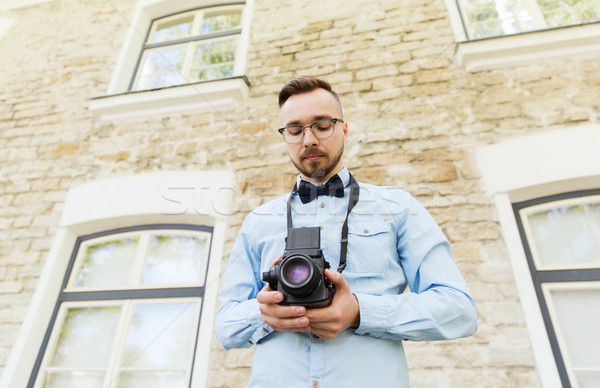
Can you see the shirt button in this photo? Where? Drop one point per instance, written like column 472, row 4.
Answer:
column 366, row 231
column 265, row 330
column 315, row 384
column 322, row 204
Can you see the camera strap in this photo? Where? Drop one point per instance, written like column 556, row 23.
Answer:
column 352, row 200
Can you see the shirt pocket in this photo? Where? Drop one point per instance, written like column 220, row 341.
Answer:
column 371, row 248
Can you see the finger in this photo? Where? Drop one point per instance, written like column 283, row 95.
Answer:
column 325, row 314
column 288, row 324
column 267, row 296
column 276, row 260
column 332, row 327
column 278, row 311
column 336, row 278
column 323, row 334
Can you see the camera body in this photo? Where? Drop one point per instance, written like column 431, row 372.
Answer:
column 300, row 274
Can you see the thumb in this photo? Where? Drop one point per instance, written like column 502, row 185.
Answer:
column 336, row 278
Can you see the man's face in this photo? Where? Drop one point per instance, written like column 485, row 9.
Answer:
column 316, row 159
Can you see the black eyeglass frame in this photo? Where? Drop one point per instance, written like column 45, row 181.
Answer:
column 333, row 121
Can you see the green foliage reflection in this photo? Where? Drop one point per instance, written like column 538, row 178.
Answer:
column 107, row 264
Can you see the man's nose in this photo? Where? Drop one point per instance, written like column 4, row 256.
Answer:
column 310, row 138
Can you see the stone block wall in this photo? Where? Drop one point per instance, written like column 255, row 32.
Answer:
column 416, row 120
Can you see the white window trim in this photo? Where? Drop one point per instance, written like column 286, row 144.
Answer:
column 182, row 197
column 208, row 96
column 521, row 49
column 531, row 167
column 120, row 104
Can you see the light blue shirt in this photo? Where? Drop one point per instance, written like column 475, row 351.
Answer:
column 393, row 243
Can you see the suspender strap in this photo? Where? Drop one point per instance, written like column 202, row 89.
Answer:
column 352, row 200
column 289, row 206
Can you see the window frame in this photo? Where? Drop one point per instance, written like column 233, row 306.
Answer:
column 524, row 208
column 529, row 167
column 127, row 306
column 537, row 18
column 522, row 48
column 119, row 103
column 552, row 276
column 144, row 232
column 167, row 197
column 146, row 47
column 70, row 296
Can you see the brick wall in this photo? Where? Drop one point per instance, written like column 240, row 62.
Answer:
column 415, row 118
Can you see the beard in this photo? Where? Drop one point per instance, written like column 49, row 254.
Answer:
column 318, row 169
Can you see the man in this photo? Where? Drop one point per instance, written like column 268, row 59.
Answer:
column 393, row 242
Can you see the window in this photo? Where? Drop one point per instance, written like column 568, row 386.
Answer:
column 131, row 277
column 502, row 33
column 129, row 311
column 484, row 18
column 190, row 47
column 562, row 244
column 179, row 57
column 553, row 265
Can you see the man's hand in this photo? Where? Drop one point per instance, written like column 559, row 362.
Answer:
column 281, row 317
column 341, row 314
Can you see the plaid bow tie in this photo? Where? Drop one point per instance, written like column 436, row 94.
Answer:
column 334, row 187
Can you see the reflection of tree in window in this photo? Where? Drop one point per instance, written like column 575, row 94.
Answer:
column 484, row 18
column 173, row 259
column 108, row 264
column 215, row 59
column 195, row 46
column 159, row 340
column 172, row 30
column 84, row 347
column 221, row 22
column 86, row 337
column 163, row 67
column 569, row 12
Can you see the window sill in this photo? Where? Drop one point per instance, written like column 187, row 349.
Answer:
column 532, row 47
column 201, row 97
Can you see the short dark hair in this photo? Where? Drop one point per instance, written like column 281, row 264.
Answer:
column 304, row 85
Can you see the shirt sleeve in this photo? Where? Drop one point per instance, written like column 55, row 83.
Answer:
column 438, row 305
column 239, row 321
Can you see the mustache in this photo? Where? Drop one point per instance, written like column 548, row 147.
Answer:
column 312, row 151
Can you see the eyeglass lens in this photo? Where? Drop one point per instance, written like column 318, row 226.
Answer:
column 321, row 129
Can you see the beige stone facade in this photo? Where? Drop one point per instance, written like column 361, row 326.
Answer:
column 416, row 120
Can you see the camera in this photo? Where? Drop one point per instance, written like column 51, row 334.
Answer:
column 300, row 274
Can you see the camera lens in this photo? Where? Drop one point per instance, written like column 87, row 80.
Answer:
column 297, row 272
column 298, row 276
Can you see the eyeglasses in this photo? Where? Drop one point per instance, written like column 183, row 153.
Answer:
column 322, row 129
